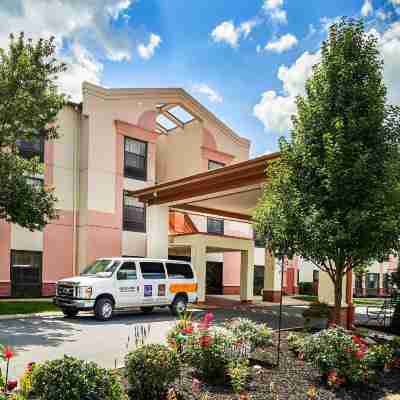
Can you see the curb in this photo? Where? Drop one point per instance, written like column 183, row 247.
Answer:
column 36, row 315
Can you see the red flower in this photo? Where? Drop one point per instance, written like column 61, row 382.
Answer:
column 205, row 341
column 360, row 354
column 8, row 353
column 187, row 330
column 11, row 385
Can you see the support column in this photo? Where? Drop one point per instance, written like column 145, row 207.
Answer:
column 157, row 220
column 246, row 275
column 272, row 289
column 199, row 260
column 381, row 289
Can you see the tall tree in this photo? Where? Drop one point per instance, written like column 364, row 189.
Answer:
column 334, row 195
column 29, row 105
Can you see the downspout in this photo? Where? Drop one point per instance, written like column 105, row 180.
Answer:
column 75, row 190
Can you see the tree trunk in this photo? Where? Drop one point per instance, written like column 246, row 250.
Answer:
column 338, row 283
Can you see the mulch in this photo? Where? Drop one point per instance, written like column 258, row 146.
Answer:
column 291, row 381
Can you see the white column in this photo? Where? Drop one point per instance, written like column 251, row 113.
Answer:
column 199, row 260
column 157, row 231
column 246, row 275
column 272, row 281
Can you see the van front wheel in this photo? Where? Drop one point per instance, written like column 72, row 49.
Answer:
column 179, row 305
column 103, row 310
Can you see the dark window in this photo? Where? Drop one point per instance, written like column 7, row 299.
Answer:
column 315, row 275
column 214, row 165
column 135, row 159
column 31, row 148
column 26, row 273
column 215, row 225
column 134, row 215
column 260, row 242
column 152, row 270
column 372, row 281
column 127, row 271
column 179, row 271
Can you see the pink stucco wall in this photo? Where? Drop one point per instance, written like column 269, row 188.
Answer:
column 231, row 270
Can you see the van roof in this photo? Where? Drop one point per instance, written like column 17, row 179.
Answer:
column 143, row 259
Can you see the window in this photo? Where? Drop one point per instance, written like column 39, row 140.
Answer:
column 152, row 270
column 31, row 148
column 214, row 165
column 134, row 215
column 127, row 271
column 26, row 273
column 179, row 271
column 315, row 275
column 372, row 281
column 135, row 159
column 35, row 182
column 215, row 225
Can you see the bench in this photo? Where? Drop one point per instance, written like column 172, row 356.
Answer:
column 383, row 314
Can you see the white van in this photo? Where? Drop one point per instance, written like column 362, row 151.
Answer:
column 111, row 284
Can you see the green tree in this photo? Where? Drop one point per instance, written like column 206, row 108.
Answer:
column 29, row 105
column 333, row 197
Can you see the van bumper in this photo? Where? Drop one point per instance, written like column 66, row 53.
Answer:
column 77, row 304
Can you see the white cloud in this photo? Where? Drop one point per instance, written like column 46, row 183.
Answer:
column 395, row 2
column 70, row 20
column 82, row 66
column 284, row 43
column 274, row 110
column 229, row 33
column 211, row 94
column 367, row 8
column 146, row 52
column 274, row 8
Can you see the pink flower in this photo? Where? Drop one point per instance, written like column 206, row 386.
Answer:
column 208, row 318
column 360, row 354
column 195, row 385
column 11, row 385
column 205, row 341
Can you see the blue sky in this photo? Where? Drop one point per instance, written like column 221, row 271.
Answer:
column 245, row 60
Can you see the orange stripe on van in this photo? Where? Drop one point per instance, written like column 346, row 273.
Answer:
column 183, row 287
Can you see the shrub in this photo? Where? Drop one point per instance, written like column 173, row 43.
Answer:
column 338, row 355
column 379, row 356
column 25, row 383
column 295, row 342
column 238, row 372
column 73, row 379
column 150, row 369
column 306, row 288
column 316, row 310
column 249, row 331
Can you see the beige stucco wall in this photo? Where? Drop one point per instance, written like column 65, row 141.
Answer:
column 24, row 239
column 133, row 244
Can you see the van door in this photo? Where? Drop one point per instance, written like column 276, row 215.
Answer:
column 154, row 283
column 128, row 287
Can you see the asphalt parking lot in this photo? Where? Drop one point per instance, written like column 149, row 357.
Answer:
column 48, row 337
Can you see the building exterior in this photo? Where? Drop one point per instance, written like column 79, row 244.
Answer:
column 115, row 141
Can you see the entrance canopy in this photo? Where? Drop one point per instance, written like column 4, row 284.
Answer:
column 231, row 191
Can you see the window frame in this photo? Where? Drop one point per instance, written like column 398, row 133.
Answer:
column 125, row 223
column 136, row 176
column 221, row 232
column 152, row 262
column 179, row 264
column 28, row 155
column 121, row 267
column 218, row 165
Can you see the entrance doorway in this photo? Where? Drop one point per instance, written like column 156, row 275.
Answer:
column 214, row 283
column 26, row 273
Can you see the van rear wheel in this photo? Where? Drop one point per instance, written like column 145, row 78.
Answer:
column 147, row 309
column 103, row 309
column 179, row 305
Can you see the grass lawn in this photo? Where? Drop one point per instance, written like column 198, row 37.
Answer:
column 306, row 297
column 26, row 307
column 368, row 302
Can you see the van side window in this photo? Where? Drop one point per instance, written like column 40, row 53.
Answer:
column 179, row 271
column 127, row 271
column 152, row 270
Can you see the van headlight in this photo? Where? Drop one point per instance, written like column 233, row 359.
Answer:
column 84, row 292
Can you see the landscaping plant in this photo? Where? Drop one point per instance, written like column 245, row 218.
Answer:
column 238, row 372
column 69, row 378
column 150, row 369
column 333, row 195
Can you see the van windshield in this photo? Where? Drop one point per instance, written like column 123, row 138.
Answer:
column 101, row 268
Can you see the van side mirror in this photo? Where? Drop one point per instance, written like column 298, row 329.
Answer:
column 122, row 275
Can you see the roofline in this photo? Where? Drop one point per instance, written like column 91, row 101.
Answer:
column 168, row 95
column 240, row 174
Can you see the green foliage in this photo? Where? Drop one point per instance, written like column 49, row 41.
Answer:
column 317, row 310
column 29, row 107
column 295, row 342
column 333, row 197
column 247, row 330
column 150, row 369
column 379, row 356
column 238, row 372
column 71, row 379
